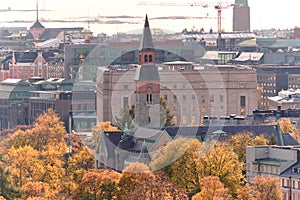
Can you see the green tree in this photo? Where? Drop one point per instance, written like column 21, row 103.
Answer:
column 125, row 117
column 166, row 116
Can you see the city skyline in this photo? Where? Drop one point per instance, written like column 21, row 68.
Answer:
column 264, row 14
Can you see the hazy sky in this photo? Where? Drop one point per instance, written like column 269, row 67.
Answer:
column 264, row 13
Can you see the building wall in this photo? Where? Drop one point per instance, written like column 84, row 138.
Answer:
column 190, row 94
column 268, row 160
column 241, row 19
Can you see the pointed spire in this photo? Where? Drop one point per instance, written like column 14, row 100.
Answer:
column 146, row 42
column 144, row 156
column 144, row 146
column 37, row 10
column 125, row 131
column 146, row 22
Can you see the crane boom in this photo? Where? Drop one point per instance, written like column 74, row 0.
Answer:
column 217, row 5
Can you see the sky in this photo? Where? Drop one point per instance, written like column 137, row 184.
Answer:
column 265, row 14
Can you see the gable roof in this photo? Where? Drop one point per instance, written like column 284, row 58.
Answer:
column 37, row 24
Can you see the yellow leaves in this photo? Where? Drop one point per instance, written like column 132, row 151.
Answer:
column 24, row 164
column 240, row 141
column 266, row 188
column 170, row 153
column 98, row 185
column 244, row 193
column 100, row 127
column 138, row 182
column 106, row 126
column 36, row 190
column 137, row 168
column 286, row 126
column 212, row 189
column 222, row 162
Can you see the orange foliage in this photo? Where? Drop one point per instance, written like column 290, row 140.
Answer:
column 36, row 190
column 107, row 127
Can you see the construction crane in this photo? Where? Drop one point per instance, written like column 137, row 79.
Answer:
column 219, row 6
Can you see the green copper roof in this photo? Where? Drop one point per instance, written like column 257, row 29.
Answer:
column 243, row 3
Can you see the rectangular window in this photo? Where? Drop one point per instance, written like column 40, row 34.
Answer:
column 184, row 97
column 125, row 101
column 243, row 101
column 149, row 98
column 221, row 98
column 193, row 97
column 202, row 99
column 174, row 98
column 212, row 98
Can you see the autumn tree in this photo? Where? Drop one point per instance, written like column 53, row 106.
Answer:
column 222, row 162
column 100, row 127
column 37, row 190
column 139, row 183
column 24, row 165
column 211, row 189
column 266, row 188
column 286, row 126
column 98, row 185
column 180, row 160
column 42, row 154
column 244, row 193
column 240, row 141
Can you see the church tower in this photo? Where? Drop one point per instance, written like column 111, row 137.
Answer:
column 147, row 83
column 241, row 16
column 37, row 29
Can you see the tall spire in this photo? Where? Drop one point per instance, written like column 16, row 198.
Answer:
column 146, row 42
column 37, row 10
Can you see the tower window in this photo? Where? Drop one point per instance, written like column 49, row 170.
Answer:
column 150, row 58
column 149, row 99
column 146, row 58
column 149, row 96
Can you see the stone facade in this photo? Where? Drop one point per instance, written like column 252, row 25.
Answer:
column 190, row 94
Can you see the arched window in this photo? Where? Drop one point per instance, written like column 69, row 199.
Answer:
column 140, row 58
column 146, row 58
column 150, row 58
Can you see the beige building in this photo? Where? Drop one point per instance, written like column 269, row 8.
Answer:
column 191, row 92
column 280, row 162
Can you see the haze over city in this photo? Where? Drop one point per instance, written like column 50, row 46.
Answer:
column 264, row 14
